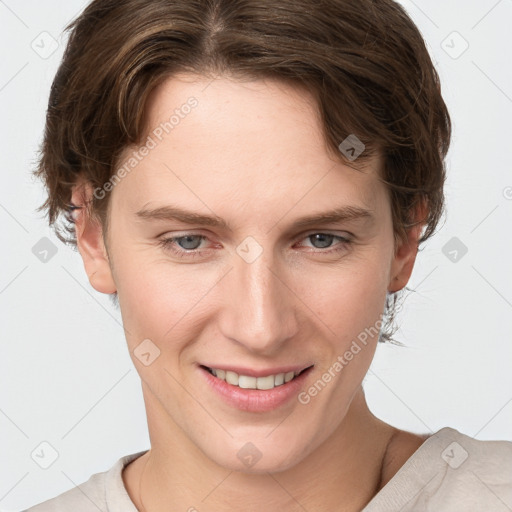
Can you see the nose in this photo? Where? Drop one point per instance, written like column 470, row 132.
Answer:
column 259, row 310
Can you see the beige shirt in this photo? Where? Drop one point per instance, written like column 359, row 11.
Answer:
column 449, row 472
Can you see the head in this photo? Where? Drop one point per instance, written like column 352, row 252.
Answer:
column 249, row 116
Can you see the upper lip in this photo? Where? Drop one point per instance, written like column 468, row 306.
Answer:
column 263, row 372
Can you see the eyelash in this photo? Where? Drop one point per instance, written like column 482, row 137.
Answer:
column 169, row 244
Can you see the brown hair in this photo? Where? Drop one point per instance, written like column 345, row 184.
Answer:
column 364, row 61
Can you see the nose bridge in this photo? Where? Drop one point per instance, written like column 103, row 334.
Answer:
column 259, row 313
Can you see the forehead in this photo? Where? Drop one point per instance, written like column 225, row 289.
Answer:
column 258, row 146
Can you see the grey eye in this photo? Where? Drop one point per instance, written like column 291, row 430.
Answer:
column 189, row 241
column 324, row 240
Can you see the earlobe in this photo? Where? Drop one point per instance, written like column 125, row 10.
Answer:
column 89, row 236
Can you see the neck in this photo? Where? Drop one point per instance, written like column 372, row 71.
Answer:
column 343, row 473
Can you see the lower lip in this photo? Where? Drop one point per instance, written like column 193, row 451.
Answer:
column 256, row 400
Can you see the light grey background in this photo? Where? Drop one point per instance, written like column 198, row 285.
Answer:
column 67, row 376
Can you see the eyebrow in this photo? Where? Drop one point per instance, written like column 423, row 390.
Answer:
column 170, row 213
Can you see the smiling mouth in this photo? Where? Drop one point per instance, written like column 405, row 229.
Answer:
column 249, row 382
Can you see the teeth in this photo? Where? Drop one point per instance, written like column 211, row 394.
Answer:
column 232, row 378
column 247, row 382
column 289, row 376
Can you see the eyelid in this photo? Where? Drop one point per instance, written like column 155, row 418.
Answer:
column 344, row 235
column 333, row 232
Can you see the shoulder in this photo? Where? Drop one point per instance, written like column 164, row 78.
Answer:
column 84, row 497
column 474, row 455
column 450, row 471
column 100, row 492
column 471, row 472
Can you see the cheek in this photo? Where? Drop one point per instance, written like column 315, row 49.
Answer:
column 160, row 301
column 348, row 304
column 347, row 298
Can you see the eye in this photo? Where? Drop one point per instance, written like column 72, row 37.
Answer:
column 325, row 240
column 188, row 244
column 183, row 246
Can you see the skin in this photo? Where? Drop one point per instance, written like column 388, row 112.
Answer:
column 253, row 154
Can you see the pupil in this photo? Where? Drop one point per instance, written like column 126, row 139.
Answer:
column 187, row 241
column 327, row 239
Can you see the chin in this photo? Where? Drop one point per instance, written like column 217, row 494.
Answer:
column 253, row 460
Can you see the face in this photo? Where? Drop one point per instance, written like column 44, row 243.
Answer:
column 215, row 267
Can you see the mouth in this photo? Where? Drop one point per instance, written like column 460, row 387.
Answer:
column 262, row 383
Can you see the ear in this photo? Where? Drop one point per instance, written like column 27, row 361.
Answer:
column 406, row 251
column 89, row 235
